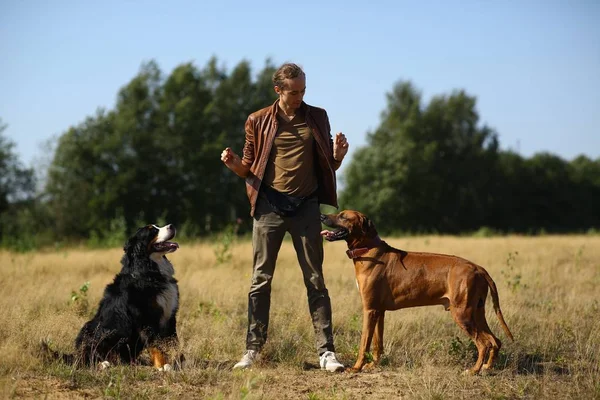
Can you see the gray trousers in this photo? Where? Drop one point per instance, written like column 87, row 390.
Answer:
column 267, row 235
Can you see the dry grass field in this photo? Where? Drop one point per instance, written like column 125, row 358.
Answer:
column 549, row 292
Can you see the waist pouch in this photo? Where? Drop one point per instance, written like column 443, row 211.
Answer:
column 281, row 203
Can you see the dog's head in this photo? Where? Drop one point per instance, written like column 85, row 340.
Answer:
column 352, row 226
column 151, row 240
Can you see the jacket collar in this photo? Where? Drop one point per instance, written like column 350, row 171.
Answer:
column 303, row 108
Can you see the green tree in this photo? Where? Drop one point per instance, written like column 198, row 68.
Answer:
column 235, row 96
column 421, row 168
column 80, row 177
column 509, row 212
column 545, row 193
column 16, row 182
column 550, row 204
column 17, row 187
column 585, row 175
column 155, row 157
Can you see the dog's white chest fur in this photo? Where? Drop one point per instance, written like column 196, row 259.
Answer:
column 164, row 265
column 167, row 300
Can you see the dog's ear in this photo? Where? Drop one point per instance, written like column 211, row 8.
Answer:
column 128, row 244
column 368, row 228
column 135, row 248
column 137, row 242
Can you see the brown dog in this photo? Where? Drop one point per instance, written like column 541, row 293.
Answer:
column 390, row 279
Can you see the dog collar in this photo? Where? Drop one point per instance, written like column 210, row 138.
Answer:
column 355, row 253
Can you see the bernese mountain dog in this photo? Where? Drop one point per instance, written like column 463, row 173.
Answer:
column 138, row 308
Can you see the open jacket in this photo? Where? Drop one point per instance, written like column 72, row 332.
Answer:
column 261, row 128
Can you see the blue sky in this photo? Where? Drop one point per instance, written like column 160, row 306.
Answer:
column 533, row 65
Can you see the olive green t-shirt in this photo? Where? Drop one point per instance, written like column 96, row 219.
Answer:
column 291, row 165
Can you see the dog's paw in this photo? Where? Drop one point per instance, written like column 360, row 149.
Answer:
column 166, row 368
column 470, row 372
column 104, row 365
column 369, row 366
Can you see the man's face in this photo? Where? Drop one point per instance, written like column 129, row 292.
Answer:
column 293, row 92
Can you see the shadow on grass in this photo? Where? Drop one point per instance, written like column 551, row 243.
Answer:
column 536, row 364
column 531, row 364
column 212, row 364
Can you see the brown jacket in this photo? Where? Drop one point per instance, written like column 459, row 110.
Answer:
column 261, row 127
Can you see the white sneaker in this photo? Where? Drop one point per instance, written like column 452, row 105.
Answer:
column 330, row 363
column 250, row 356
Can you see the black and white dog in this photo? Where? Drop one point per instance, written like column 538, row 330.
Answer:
column 138, row 308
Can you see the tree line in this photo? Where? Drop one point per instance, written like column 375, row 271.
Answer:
column 435, row 168
column 155, row 157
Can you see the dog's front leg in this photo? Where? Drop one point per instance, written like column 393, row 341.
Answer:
column 159, row 359
column 370, row 318
column 378, row 339
column 155, row 345
column 170, row 343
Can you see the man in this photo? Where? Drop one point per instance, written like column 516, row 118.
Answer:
column 289, row 162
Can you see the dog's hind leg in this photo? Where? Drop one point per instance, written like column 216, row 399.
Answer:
column 465, row 318
column 494, row 343
column 370, row 318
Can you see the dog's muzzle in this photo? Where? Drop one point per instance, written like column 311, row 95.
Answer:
column 165, row 247
column 338, row 234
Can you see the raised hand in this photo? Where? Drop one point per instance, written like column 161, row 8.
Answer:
column 234, row 163
column 340, row 146
column 230, row 158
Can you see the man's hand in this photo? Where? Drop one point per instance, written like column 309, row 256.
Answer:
column 234, row 162
column 340, row 147
column 230, row 158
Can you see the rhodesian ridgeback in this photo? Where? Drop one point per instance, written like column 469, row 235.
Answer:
column 391, row 279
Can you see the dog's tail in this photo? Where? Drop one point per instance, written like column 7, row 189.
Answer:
column 52, row 355
column 496, row 301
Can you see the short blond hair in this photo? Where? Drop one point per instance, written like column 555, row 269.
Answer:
column 286, row 71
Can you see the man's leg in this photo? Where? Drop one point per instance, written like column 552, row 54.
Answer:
column 306, row 235
column 267, row 235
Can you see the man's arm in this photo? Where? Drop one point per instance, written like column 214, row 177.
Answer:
column 234, row 163
column 339, row 146
column 240, row 166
